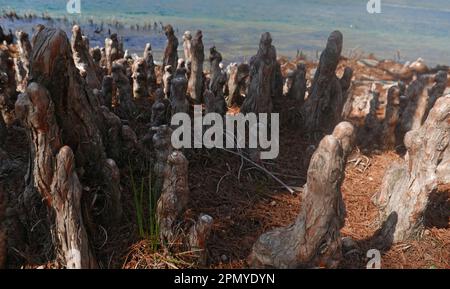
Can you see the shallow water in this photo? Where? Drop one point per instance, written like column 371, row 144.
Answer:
column 405, row 28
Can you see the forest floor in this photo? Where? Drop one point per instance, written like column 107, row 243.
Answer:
column 246, row 202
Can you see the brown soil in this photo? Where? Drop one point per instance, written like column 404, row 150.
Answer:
column 245, row 202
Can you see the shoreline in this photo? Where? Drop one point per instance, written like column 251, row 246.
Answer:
column 135, row 36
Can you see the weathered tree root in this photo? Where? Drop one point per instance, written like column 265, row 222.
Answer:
column 198, row 235
column 8, row 93
column 260, row 91
column 314, row 238
column 66, row 130
column 139, row 76
column 391, row 118
column 195, row 84
column 170, row 52
column 237, row 78
column 407, row 185
column 22, row 63
column 151, row 73
column 174, row 195
column 55, row 176
column 323, row 108
column 83, row 60
column 178, row 88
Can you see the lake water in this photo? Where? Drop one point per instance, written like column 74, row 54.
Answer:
column 409, row 28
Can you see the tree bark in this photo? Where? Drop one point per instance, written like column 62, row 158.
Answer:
column 174, row 195
column 83, row 60
column 416, row 99
column 167, row 80
column 198, row 236
column 407, row 185
column 321, row 110
column 187, row 38
column 140, row 88
column 314, row 238
column 391, row 118
column 178, row 88
column 262, row 65
column 170, row 52
column 126, row 106
column 71, row 233
column 63, row 118
column 160, row 110
column 151, row 74
column 298, row 87
column 436, row 91
column 23, row 61
column 112, row 51
column 54, row 176
column 218, row 77
column 214, row 103
column 8, row 93
column 238, row 75
column 195, row 85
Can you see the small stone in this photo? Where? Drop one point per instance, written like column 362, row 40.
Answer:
column 224, row 258
column 273, row 203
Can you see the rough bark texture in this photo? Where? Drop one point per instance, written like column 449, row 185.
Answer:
column 416, row 99
column 371, row 131
column 178, row 88
column 391, row 118
column 346, row 83
column 198, row 236
column 112, row 51
column 321, row 110
column 151, row 73
column 107, row 91
column 407, row 185
column 214, row 103
column 195, row 85
column 218, row 76
column 160, row 110
column 123, row 90
column 23, row 61
column 55, row 176
column 238, row 75
column 167, row 80
column 163, row 148
column 139, row 76
column 62, row 116
column 66, row 192
column 277, row 86
column 82, row 58
column 262, row 65
column 96, row 54
column 8, row 93
column 298, row 87
column 187, row 38
column 313, row 240
column 170, row 52
column 435, row 92
column 174, row 195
